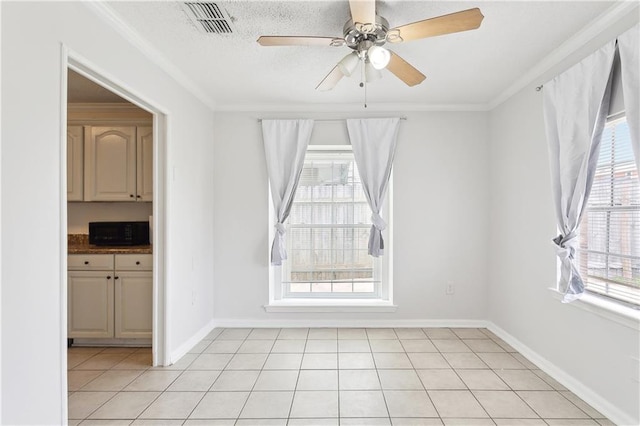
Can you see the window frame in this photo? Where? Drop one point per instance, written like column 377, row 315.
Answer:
column 278, row 300
column 593, row 283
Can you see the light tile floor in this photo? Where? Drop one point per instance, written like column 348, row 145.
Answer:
column 323, row 376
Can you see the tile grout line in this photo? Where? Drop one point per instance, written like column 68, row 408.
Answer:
column 217, row 377
column 375, row 365
column 259, row 373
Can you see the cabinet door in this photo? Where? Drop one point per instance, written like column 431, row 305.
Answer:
column 90, row 304
column 110, row 164
column 144, row 181
column 75, row 167
column 134, row 304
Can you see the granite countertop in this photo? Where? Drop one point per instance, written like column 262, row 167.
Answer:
column 79, row 244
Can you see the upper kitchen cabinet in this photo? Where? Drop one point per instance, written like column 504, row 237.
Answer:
column 109, row 153
column 144, row 178
column 110, row 164
column 75, row 174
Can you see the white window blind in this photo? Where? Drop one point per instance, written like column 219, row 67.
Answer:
column 328, row 233
column 609, row 253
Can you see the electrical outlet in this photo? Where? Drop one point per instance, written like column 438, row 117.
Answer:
column 450, row 289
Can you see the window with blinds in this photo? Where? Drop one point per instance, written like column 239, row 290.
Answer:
column 328, row 233
column 609, row 253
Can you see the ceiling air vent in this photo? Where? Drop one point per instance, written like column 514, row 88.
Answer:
column 209, row 17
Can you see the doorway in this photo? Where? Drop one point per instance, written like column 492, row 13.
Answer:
column 82, row 79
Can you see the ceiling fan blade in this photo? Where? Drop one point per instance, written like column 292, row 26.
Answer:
column 404, row 70
column 330, row 81
column 300, row 41
column 363, row 11
column 446, row 24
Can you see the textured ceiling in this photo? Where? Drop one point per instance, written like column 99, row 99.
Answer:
column 472, row 67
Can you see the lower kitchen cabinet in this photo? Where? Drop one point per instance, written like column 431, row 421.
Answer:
column 110, row 296
column 90, row 304
column 133, row 307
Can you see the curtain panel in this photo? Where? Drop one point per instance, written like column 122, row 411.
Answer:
column 374, row 143
column 576, row 104
column 629, row 48
column 285, row 145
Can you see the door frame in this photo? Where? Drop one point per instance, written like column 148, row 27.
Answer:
column 160, row 338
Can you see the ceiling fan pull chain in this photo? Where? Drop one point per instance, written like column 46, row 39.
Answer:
column 363, row 81
column 365, row 93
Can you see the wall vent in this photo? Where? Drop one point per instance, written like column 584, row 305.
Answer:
column 208, row 17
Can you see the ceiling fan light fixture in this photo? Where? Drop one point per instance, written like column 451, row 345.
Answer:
column 349, row 63
column 379, row 57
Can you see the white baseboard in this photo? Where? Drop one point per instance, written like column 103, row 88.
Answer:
column 189, row 344
column 347, row 323
column 592, row 398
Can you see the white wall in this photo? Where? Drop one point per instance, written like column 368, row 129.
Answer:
column 597, row 354
column 440, row 222
column 32, row 280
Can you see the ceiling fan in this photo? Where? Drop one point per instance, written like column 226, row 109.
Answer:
column 366, row 32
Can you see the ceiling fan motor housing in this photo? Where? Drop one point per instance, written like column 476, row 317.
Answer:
column 362, row 36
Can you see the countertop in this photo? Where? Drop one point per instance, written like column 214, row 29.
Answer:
column 79, row 244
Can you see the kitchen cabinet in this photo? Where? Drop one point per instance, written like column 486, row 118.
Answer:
column 144, row 163
column 133, row 296
column 110, row 296
column 110, row 163
column 75, row 166
column 90, row 296
column 118, row 163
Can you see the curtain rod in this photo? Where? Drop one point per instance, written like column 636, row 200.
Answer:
column 327, row 119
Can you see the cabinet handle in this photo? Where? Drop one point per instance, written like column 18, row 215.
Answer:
column 108, row 277
column 131, row 195
column 86, row 262
column 137, row 196
column 137, row 262
column 116, row 277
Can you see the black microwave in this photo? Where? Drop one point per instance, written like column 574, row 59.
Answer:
column 119, row 233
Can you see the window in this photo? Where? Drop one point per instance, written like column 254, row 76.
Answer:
column 328, row 233
column 609, row 253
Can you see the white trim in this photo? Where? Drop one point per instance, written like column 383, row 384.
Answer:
column 347, row 323
column 351, row 107
column 1, row 231
column 585, row 393
column 382, row 302
column 161, row 335
column 330, row 305
column 616, row 12
column 608, row 309
column 184, row 348
column 83, row 66
column 105, row 12
column 62, row 254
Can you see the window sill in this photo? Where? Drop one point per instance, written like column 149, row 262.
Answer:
column 610, row 310
column 328, row 305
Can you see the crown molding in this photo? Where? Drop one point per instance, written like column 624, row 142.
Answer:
column 106, row 13
column 352, row 107
column 619, row 10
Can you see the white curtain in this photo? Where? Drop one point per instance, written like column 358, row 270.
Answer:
column 576, row 104
column 629, row 48
column 285, row 144
column 374, row 144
